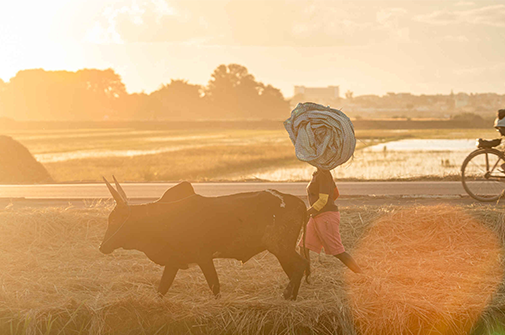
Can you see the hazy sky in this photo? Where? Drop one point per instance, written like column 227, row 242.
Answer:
column 368, row 47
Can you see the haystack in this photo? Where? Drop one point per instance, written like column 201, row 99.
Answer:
column 18, row 166
column 426, row 270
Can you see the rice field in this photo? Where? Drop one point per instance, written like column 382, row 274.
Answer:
column 447, row 280
column 240, row 155
column 373, row 165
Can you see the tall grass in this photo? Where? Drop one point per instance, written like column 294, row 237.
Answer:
column 53, row 280
column 197, row 164
column 202, row 155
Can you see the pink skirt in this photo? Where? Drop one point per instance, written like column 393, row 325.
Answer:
column 323, row 231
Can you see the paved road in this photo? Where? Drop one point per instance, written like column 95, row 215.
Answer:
column 155, row 190
column 352, row 193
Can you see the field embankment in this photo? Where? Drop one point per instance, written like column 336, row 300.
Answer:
column 53, row 280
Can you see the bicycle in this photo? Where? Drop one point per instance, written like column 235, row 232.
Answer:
column 483, row 171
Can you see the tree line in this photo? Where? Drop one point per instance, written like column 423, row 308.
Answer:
column 91, row 94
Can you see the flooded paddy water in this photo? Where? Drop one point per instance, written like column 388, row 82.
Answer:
column 237, row 155
column 403, row 159
column 424, row 145
column 50, row 147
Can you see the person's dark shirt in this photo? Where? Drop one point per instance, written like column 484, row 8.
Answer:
column 322, row 182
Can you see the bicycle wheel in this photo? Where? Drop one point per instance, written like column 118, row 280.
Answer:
column 482, row 175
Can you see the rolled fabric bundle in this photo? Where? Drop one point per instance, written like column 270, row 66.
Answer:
column 322, row 136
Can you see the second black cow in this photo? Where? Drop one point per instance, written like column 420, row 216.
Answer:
column 183, row 227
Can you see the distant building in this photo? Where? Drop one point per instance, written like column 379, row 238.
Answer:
column 318, row 93
column 399, row 95
column 461, row 100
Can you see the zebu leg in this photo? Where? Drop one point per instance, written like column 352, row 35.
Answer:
column 209, row 271
column 280, row 237
column 294, row 265
column 167, row 279
column 300, row 265
column 286, row 265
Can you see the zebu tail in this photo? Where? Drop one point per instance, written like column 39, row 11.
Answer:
column 305, row 251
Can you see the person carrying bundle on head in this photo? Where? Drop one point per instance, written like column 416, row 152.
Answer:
column 324, row 137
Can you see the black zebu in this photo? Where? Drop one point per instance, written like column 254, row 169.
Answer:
column 183, row 227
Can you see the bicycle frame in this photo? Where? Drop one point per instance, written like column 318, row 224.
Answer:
column 480, row 174
column 488, row 175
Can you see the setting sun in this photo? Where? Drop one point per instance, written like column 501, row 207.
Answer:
column 368, row 47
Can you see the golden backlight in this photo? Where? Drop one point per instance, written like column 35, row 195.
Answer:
column 427, row 270
column 365, row 46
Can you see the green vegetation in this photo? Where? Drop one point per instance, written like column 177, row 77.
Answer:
column 55, row 281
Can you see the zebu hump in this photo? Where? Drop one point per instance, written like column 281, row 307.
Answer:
column 178, row 192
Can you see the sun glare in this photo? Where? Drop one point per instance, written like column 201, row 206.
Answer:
column 30, row 36
column 430, row 269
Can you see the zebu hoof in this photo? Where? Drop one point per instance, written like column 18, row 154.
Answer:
column 287, row 294
column 162, row 293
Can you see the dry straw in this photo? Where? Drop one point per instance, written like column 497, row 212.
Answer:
column 427, row 270
column 53, row 280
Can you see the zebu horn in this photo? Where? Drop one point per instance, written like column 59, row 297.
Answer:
column 120, row 190
column 115, row 194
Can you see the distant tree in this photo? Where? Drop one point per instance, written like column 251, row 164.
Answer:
column 102, row 90
column 233, row 92
column 272, row 103
column 62, row 95
column 230, row 91
column 178, row 100
column 91, row 94
column 349, row 95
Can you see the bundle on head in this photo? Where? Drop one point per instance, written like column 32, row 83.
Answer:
column 426, row 270
column 323, row 136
